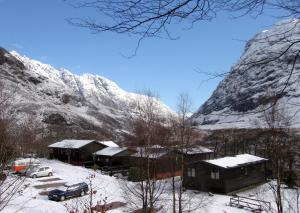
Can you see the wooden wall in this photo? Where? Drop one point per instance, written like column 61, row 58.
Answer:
column 229, row 179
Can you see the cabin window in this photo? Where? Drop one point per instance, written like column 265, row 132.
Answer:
column 215, row 174
column 191, row 172
column 244, row 170
column 262, row 167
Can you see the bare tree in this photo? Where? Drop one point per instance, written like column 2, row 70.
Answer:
column 89, row 203
column 184, row 138
column 153, row 18
column 145, row 18
column 11, row 186
column 279, row 147
column 31, row 134
column 148, row 135
column 148, row 19
column 184, row 132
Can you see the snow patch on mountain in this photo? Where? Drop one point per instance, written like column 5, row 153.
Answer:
column 59, row 97
column 266, row 69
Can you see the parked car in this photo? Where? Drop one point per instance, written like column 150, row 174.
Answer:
column 40, row 172
column 29, row 155
column 74, row 190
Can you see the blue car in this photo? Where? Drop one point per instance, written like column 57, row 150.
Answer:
column 75, row 190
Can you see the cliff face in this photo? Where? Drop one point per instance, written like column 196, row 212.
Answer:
column 59, row 98
column 265, row 70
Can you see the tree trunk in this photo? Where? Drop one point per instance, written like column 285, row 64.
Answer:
column 174, row 194
column 278, row 190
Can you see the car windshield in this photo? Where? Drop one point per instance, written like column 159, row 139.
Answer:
column 72, row 187
column 32, row 168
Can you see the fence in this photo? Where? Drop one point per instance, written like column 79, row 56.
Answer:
column 249, row 203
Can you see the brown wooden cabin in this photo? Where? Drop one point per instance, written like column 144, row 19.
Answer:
column 112, row 156
column 164, row 163
column 225, row 175
column 195, row 153
column 76, row 152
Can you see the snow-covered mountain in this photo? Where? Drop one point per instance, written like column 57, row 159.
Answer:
column 261, row 73
column 59, row 97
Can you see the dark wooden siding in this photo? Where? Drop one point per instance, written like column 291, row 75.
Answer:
column 236, row 178
column 120, row 159
column 198, row 157
column 162, row 167
column 202, row 180
column 229, row 179
column 76, row 156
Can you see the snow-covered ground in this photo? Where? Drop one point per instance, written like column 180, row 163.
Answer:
column 30, row 201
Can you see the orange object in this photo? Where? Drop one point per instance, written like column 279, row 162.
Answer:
column 164, row 175
column 21, row 164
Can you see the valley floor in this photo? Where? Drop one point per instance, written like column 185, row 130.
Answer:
column 33, row 199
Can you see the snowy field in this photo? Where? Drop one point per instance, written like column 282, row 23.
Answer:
column 33, row 200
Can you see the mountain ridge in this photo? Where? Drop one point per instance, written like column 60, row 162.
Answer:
column 261, row 73
column 59, row 97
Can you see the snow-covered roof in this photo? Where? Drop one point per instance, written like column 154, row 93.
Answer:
column 150, row 153
column 196, row 150
column 156, row 146
column 110, row 151
column 235, row 161
column 109, row 143
column 74, row 144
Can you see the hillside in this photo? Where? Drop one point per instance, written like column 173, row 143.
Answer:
column 266, row 70
column 61, row 99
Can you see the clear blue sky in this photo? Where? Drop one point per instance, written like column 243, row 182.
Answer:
column 37, row 28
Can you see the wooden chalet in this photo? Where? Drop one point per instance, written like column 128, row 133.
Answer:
column 195, row 153
column 112, row 156
column 162, row 161
column 77, row 151
column 225, row 175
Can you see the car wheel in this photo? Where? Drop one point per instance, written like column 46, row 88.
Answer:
column 82, row 193
column 62, row 198
column 50, row 174
column 34, row 176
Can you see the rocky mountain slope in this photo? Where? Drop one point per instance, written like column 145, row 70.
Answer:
column 269, row 68
column 58, row 98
